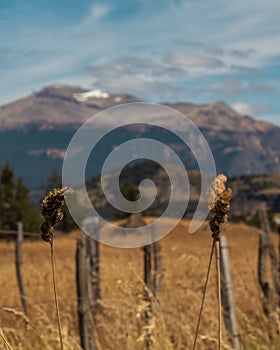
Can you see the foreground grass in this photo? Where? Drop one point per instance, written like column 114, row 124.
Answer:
column 119, row 324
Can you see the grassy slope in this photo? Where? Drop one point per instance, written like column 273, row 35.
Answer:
column 248, row 190
column 119, row 325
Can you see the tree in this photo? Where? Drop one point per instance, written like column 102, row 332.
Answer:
column 53, row 181
column 131, row 193
column 15, row 204
column 2, row 206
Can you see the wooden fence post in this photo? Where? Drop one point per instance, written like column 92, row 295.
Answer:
column 148, row 266
column 94, row 274
column 157, row 262
column 274, row 265
column 279, row 272
column 18, row 261
column 262, row 275
column 267, row 252
column 148, row 339
column 227, row 295
column 86, row 322
column 91, row 226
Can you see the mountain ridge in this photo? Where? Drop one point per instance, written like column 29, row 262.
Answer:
column 36, row 130
column 55, row 105
column 29, row 105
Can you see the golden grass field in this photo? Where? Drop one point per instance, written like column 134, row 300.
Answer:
column 119, row 324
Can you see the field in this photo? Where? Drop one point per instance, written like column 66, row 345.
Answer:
column 119, row 323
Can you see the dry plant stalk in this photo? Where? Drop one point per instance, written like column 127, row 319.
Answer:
column 5, row 341
column 218, row 203
column 145, row 311
column 18, row 314
column 51, row 210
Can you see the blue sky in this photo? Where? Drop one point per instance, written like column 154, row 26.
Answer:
column 163, row 50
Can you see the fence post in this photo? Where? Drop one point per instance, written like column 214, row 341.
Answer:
column 157, row 261
column 227, row 295
column 18, row 261
column 148, row 314
column 262, row 275
column 91, row 226
column 267, row 250
column 279, row 272
column 86, row 322
column 148, row 266
column 274, row 266
column 94, row 274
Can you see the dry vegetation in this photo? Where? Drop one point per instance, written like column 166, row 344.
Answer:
column 119, row 324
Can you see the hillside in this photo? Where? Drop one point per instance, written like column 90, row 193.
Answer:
column 249, row 191
column 35, row 132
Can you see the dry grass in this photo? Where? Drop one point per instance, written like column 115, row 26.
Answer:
column 120, row 324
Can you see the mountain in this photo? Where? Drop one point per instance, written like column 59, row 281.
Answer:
column 35, row 132
column 240, row 144
column 57, row 106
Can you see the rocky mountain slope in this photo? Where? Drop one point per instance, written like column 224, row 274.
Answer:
column 35, row 132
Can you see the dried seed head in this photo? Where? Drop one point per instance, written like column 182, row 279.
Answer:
column 51, row 210
column 219, row 203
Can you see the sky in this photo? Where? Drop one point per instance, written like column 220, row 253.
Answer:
column 163, row 50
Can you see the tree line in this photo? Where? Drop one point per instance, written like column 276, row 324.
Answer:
column 16, row 204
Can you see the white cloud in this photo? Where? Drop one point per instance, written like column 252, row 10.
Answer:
column 98, row 11
column 243, row 108
column 191, row 61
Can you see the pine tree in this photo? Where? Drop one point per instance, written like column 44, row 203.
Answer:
column 131, row 193
column 7, row 181
column 1, row 204
column 15, row 204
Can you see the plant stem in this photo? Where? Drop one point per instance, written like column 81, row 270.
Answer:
column 218, row 265
column 55, row 295
column 204, row 294
column 8, row 346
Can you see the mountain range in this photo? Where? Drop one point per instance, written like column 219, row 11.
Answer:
column 36, row 130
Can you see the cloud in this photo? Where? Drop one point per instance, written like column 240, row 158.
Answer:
column 4, row 52
column 187, row 43
column 215, row 50
column 137, row 68
column 229, row 86
column 123, row 66
column 243, row 108
column 98, row 11
column 260, row 88
column 244, row 69
column 194, row 61
column 137, row 76
column 147, row 78
column 134, row 86
column 141, row 88
column 242, row 53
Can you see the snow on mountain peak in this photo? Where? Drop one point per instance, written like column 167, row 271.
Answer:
column 84, row 96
